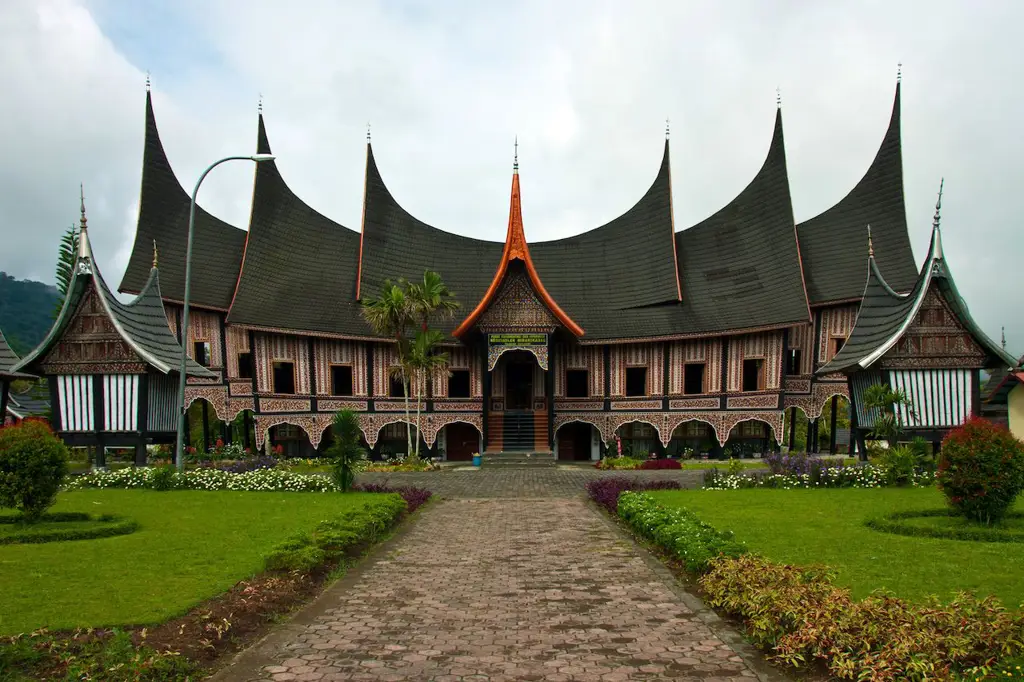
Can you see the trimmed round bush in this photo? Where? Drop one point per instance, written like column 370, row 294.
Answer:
column 33, row 462
column 981, row 470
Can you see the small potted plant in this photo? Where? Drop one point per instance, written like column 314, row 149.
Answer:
column 476, row 459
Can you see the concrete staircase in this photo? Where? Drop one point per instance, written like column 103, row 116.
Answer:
column 519, row 459
column 525, row 431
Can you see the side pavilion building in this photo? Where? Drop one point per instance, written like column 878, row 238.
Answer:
column 673, row 339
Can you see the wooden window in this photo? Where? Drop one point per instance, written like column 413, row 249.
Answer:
column 341, row 380
column 284, row 377
column 201, row 353
column 837, row 345
column 793, row 361
column 636, row 381
column 753, row 374
column 458, row 383
column 245, row 365
column 396, row 388
column 577, row 383
column 693, row 378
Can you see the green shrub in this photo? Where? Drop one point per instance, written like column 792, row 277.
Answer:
column 164, row 478
column 981, row 470
column 345, row 452
column 678, row 531
column 803, row 618
column 33, row 462
column 898, row 465
column 335, row 537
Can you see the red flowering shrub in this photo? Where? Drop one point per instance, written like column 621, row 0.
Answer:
column 661, row 464
column 33, row 462
column 981, row 470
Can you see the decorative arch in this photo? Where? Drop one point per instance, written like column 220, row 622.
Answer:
column 598, row 421
column 216, row 396
column 675, row 423
column 433, row 423
column 371, row 424
column 812, row 405
column 236, row 406
column 312, row 425
column 658, row 420
column 495, row 352
column 774, row 420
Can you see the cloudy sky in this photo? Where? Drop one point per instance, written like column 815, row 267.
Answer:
column 586, row 85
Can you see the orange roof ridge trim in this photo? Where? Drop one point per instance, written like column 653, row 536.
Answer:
column 516, row 248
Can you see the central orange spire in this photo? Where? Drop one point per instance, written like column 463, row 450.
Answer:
column 517, row 249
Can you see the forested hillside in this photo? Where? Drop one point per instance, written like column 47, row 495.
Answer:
column 26, row 311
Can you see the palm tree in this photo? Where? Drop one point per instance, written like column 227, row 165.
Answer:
column 389, row 315
column 425, row 361
column 66, row 256
column 431, row 297
column 887, row 401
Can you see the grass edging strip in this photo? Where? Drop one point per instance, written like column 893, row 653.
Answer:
column 110, row 526
column 894, row 524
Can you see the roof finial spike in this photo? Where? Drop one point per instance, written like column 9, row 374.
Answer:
column 871, row 247
column 515, row 158
column 1004, row 338
column 938, row 206
column 666, row 127
column 899, row 72
column 82, row 222
column 259, row 105
column 778, row 97
column 147, row 81
column 154, row 254
column 367, row 132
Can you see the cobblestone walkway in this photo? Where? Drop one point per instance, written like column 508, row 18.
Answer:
column 523, row 483
column 512, row 589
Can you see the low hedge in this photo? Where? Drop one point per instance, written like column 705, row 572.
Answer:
column 332, row 539
column 803, row 619
column 108, row 526
column 605, row 491
column 895, row 523
column 677, row 531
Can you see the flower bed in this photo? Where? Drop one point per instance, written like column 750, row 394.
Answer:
column 203, row 479
column 631, row 463
column 606, row 491
column 828, row 475
column 802, row 618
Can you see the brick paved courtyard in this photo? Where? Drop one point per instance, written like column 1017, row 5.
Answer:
column 504, row 483
column 504, row 589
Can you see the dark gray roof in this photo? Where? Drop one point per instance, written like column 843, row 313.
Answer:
column 8, row 359
column 885, row 315
column 832, row 243
column 395, row 244
column 35, row 402
column 163, row 216
column 740, row 268
column 300, row 267
column 142, row 322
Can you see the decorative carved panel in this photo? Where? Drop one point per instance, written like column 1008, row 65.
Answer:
column 517, row 307
column 813, row 404
column 694, row 404
column 935, row 339
column 91, row 344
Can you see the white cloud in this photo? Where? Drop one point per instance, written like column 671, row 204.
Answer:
column 585, row 85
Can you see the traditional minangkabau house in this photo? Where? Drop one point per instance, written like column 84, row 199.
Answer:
column 695, row 338
column 8, row 360
column 111, row 366
column 923, row 343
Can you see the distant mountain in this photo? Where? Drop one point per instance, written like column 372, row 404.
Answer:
column 26, row 311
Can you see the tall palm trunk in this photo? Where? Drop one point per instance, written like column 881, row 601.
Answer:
column 419, row 386
column 408, row 431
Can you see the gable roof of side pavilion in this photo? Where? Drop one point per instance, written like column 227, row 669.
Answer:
column 141, row 323
column 748, row 267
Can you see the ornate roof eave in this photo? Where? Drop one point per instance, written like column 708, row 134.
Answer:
column 516, row 248
column 698, row 336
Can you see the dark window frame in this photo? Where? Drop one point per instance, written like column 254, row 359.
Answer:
column 461, row 372
column 334, row 380
column 837, row 344
column 278, row 366
column 394, row 383
column 631, row 384
column 745, row 374
column 573, row 379
column 687, row 378
column 201, row 353
column 245, row 368
column 793, row 360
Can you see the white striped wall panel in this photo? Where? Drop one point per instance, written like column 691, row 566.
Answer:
column 74, row 392
column 940, row 398
column 120, row 402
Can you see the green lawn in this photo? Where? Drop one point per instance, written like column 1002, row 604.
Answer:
column 192, row 545
column 826, row 526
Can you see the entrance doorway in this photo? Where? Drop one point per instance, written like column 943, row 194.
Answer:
column 574, row 441
column 519, row 384
column 462, row 440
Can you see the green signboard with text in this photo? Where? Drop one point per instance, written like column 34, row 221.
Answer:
column 517, row 339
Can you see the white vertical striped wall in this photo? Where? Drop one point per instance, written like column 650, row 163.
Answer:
column 461, row 357
column 120, row 402
column 329, row 352
column 939, row 397
column 590, row 358
column 649, row 355
column 271, row 347
column 74, row 392
column 766, row 346
column 707, row 351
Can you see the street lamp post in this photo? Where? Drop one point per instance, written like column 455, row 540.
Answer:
column 179, row 448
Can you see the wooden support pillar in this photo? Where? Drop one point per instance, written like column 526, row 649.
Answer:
column 832, row 426
column 206, row 428
column 140, row 452
column 792, row 429
column 246, row 427
column 487, row 394
column 549, row 393
column 812, row 436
